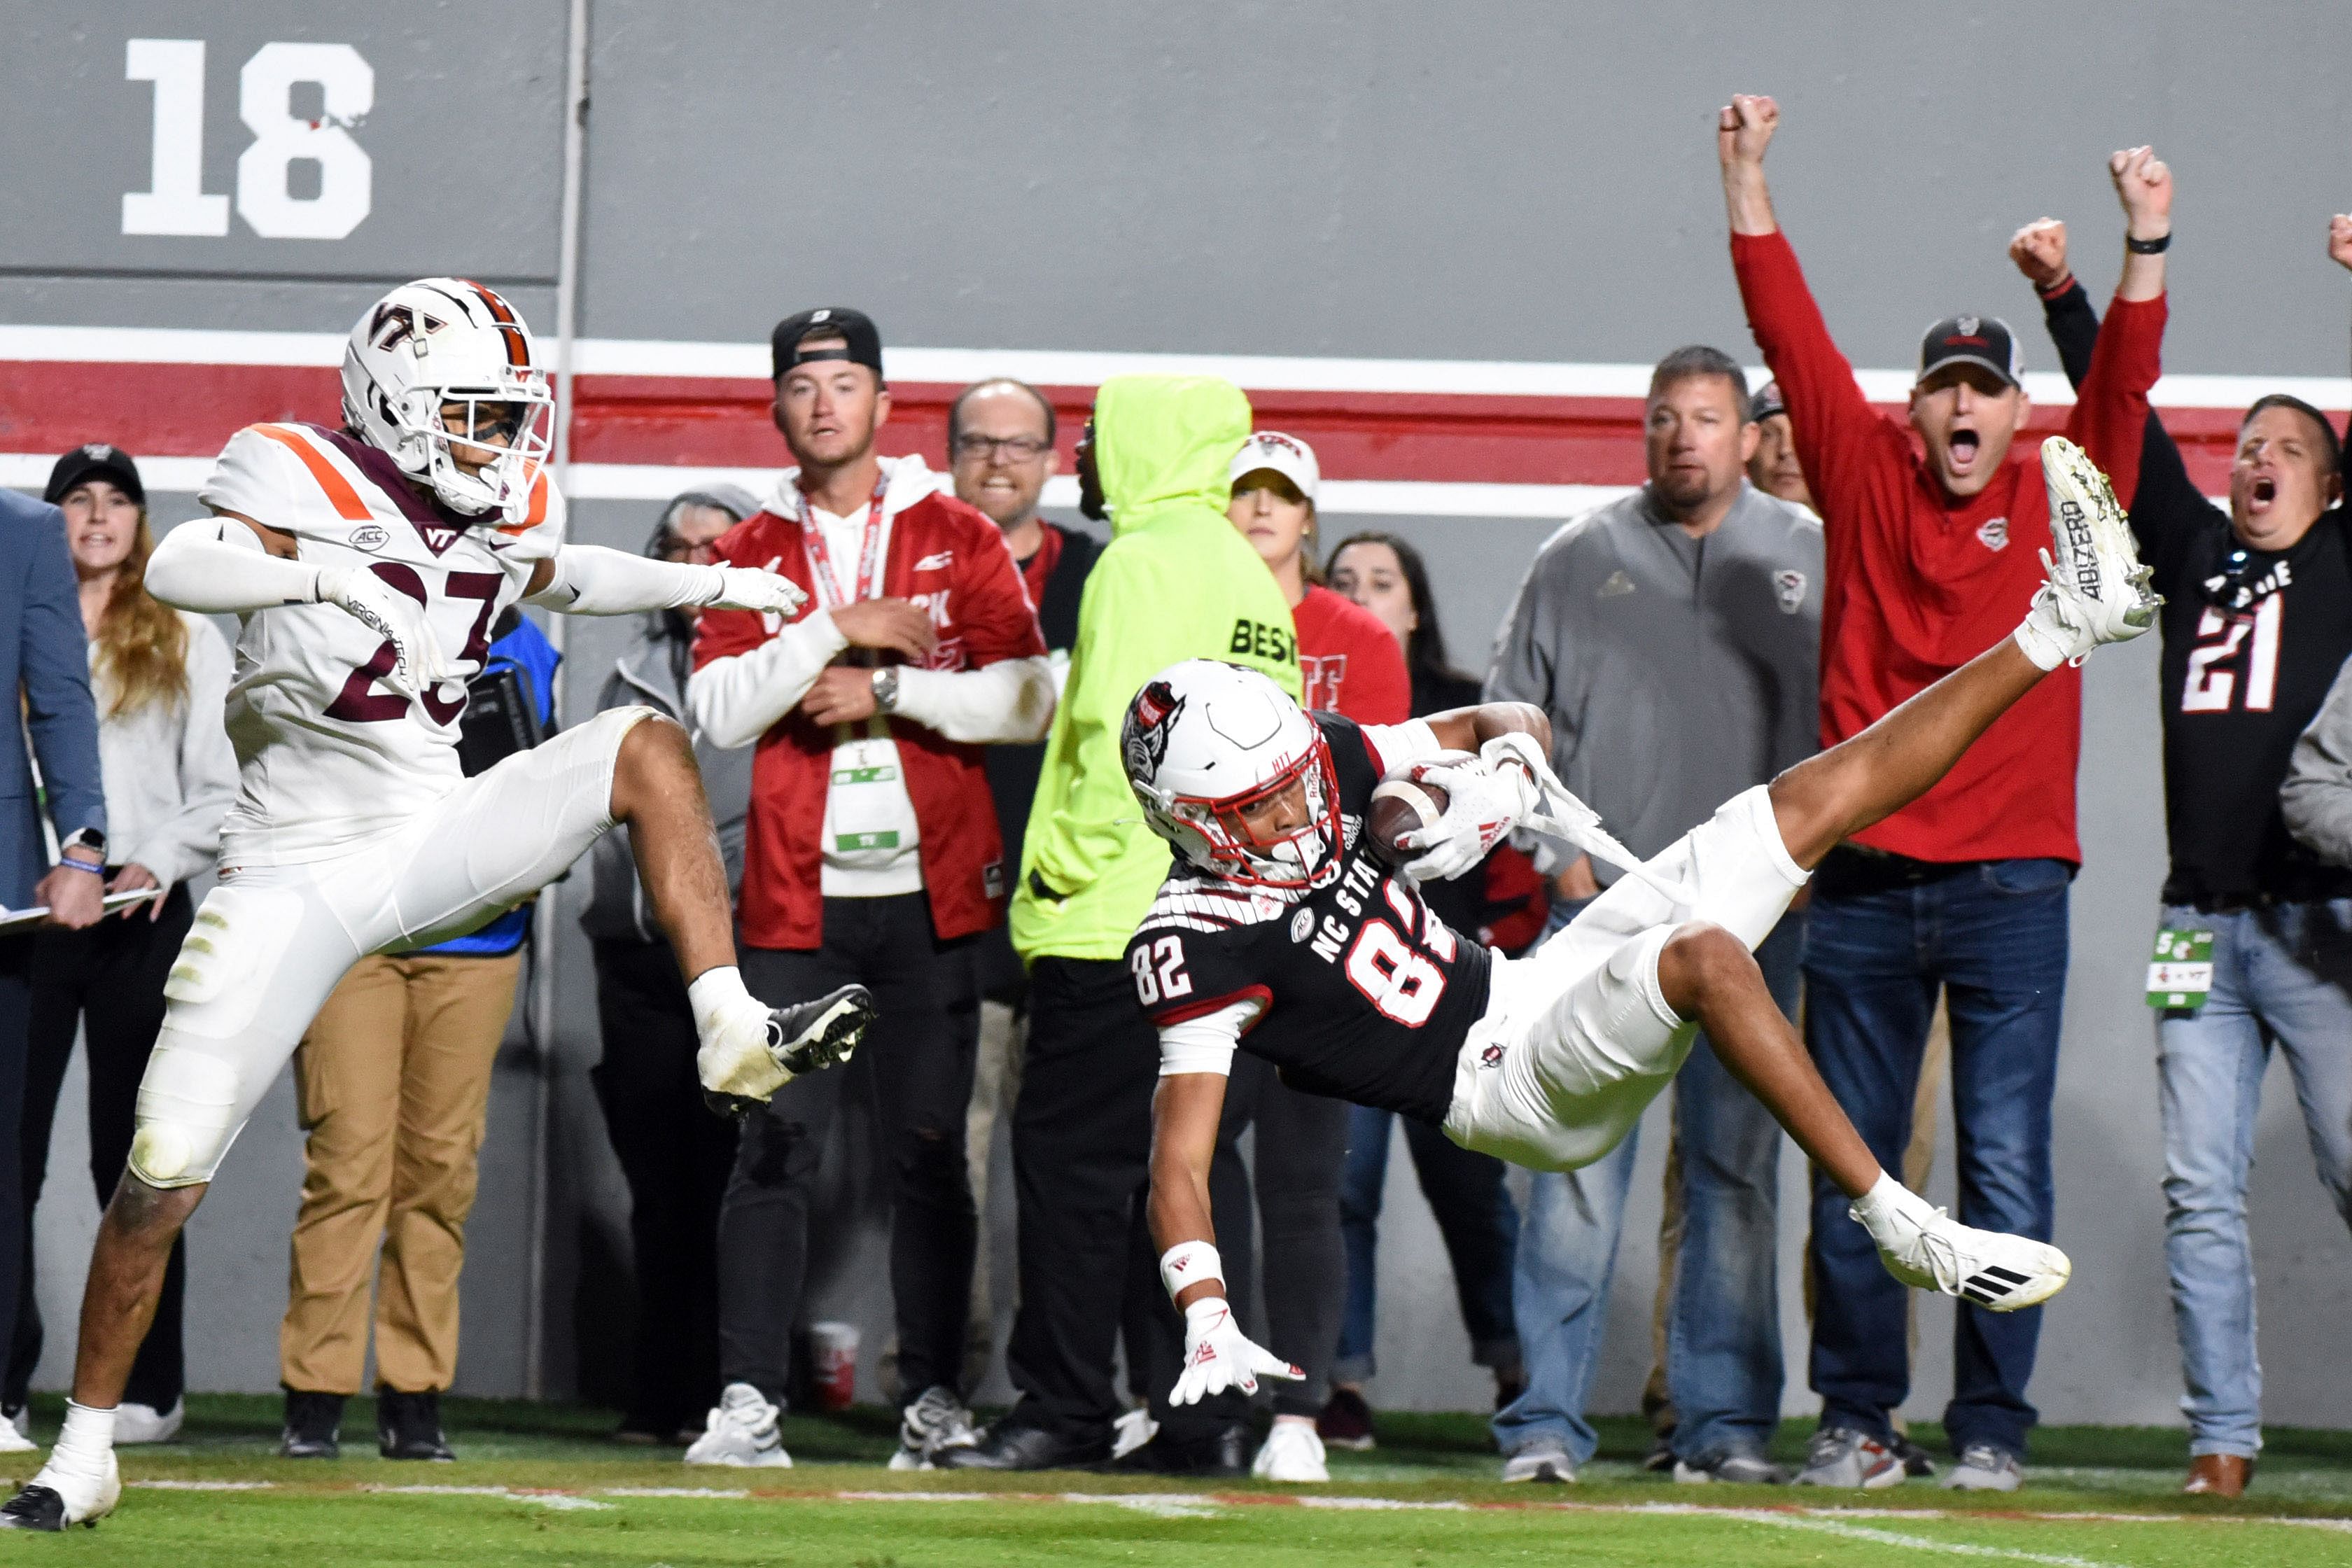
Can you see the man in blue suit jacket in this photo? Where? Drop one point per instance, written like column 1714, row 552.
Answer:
column 44, row 664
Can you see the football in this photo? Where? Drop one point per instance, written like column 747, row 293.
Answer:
column 1404, row 802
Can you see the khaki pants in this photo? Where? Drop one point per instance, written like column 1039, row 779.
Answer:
column 394, row 1079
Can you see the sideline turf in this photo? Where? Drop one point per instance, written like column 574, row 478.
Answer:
column 1425, row 1497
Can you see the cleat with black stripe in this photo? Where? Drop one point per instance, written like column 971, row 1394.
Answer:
column 55, row 1498
column 807, row 1037
column 1992, row 1269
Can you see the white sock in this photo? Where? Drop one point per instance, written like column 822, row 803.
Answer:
column 1891, row 1210
column 82, row 1447
column 718, row 995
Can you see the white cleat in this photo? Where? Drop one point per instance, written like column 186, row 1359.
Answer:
column 2098, row 590
column 55, row 1498
column 1291, row 1452
column 741, row 1433
column 1997, row 1271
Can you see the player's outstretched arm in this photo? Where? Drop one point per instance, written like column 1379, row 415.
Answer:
column 590, row 580
column 1217, row 1354
column 230, row 564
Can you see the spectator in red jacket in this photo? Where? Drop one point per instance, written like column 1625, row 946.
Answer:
column 1932, row 551
column 871, row 851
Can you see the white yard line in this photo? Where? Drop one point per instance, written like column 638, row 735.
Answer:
column 1821, row 1526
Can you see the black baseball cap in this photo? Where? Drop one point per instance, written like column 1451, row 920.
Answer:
column 95, row 461
column 1767, row 401
column 1984, row 341
column 855, row 328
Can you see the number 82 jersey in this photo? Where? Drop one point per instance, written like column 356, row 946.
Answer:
column 1352, row 987
column 328, row 756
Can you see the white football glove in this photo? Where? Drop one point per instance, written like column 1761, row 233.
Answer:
column 419, row 665
column 1218, row 1355
column 736, row 1062
column 750, row 588
column 1484, row 800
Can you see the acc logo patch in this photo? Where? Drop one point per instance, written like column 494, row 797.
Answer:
column 1994, row 535
column 1302, row 925
column 370, row 537
column 1788, row 591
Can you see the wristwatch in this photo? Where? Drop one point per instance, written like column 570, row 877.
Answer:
column 886, row 689
column 91, row 838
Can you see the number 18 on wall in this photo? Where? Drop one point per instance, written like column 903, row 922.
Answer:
column 176, row 202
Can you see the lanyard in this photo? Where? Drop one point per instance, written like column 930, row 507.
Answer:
column 820, row 557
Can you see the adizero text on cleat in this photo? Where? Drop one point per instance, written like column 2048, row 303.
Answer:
column 2095, row 568
column 820, row 1033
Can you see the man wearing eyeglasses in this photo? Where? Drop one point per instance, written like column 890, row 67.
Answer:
column 1001, row 453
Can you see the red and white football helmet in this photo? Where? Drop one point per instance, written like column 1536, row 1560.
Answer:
column 1204, row 742
column 442, row 341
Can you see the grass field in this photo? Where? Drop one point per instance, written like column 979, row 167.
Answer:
column 537, row 1485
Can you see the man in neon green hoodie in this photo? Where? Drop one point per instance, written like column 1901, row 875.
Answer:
column 1177, row 582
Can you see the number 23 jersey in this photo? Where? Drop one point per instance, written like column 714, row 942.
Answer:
column 328, row 755
column 1353, row 988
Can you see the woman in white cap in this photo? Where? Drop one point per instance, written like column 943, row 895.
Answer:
column 1349, row 662
column 161, row 677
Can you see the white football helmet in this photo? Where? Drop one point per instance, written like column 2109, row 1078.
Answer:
column 1205, row 741
column 443, row 340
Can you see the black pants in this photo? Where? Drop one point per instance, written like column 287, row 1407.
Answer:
column 1300, row 1151
column 674, row 1153
column 108, row 980
column 1081, row 1157
column 922, row 1054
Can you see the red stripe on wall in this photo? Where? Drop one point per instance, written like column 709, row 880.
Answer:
column 177, row 410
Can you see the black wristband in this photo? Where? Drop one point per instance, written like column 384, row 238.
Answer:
column 2157, row 246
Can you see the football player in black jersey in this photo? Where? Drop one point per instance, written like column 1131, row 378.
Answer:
column 1282, row 933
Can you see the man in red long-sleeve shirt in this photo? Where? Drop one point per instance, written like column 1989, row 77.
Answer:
column 1932, row 548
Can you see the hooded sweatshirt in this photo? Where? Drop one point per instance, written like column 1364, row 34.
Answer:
column 1178, row 581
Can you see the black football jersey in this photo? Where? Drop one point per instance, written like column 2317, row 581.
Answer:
column 1366, row 995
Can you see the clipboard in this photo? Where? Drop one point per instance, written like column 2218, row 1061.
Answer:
column 15, row 921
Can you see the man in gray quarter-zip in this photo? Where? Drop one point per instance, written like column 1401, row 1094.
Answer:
column 1673, row 637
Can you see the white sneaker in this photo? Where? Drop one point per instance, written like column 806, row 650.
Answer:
column 1132, row 1431
column 935, row 1422
column 1930, row 1250
column 16, row 1431
column 146, row 1424
column 55, row 1498
column 743, row 1433
column 2098, row 590
column 1984, row 1468
column 1545, row 1459
column 1842, row 1457
column 1292, row 1452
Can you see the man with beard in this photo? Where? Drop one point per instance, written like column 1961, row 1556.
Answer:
column 1671, row 638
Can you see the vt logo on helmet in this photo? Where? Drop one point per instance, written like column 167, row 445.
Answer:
column 442, row 376
column 1233, row 773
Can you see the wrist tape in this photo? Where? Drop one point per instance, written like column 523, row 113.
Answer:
column 1189, row 1263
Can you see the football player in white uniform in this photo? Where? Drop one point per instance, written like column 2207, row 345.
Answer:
column 355, row 559
column 1547, row 1061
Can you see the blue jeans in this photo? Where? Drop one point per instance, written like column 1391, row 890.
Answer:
column 1474, row 1215
column 1993, row 936
column 1723, row 1330
column 2281, row 975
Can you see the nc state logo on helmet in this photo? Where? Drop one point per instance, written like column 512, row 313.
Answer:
column 1207, row 746
column 444, row 369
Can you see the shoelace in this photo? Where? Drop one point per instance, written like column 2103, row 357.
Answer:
column 1941, row 1255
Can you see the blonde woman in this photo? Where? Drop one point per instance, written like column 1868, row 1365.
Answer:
column 161, row 677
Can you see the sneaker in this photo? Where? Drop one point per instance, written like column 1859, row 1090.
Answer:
column 16, row 1431
column 2098, row 590
column 2001, row 1273
column 1291, row 1452
column 1734, row 1466
column 55, row 1498
column 1842, row 1457
column 314, row 1426
column 1132, row 1431
column 1984, row 1468
column 807, row 1037
column 1918, row 1463
column 1545, row 1459
column 743, row 1433
column 1661, row 1458
column 934, row 1422
column 146, row 1424
column 408, row 1425
column 1346, row 1421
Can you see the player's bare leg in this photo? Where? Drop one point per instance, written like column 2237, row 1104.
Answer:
column 126, row 1276
column 749, row 1050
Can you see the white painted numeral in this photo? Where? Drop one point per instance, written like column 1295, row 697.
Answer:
column 1159, row 971
column 1403, row 983
column 2209, row 687
column 346, row 176
column 174, row 202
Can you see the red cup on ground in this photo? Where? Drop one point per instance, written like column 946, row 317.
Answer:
column 832, row 1348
